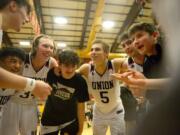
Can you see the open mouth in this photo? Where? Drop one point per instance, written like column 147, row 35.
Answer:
column 140, row 47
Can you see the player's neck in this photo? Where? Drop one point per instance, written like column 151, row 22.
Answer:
column 101, row 67
column 37, row 63
column 138, row 59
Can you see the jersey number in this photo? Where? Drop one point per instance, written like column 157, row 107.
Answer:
column 26, row 95
column 104, row 97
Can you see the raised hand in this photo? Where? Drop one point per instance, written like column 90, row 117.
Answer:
column 41, row 90
column 135, row 81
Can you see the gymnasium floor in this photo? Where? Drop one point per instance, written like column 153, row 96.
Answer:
column 88, row 131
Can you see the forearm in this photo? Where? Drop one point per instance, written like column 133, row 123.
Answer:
column 157, row 83
column 10, row 80
column 81, row 116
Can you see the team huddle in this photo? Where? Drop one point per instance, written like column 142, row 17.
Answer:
column 120, row 88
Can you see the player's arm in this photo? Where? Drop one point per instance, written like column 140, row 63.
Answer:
column 157, row 83
column 54, row 63
column 120, row 65
column 83, row 70
column 10, row 80
column 137, row 80
column 81, row 116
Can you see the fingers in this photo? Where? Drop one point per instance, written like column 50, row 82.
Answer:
column 123, row 76
column 46, row 92
column 42, row 90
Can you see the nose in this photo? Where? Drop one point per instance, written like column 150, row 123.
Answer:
column 135, row 43
column 50, row 49
column 126, row 47
column 70, row 69
column 17, row 65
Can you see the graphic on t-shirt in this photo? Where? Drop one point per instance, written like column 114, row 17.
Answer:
column 63, row 92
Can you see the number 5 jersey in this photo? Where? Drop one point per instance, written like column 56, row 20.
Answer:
column 104, row 89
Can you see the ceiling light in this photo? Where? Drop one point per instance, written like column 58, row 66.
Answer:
column 60, row 20
column 61, row 45
column 108, row 24
column 24, row 43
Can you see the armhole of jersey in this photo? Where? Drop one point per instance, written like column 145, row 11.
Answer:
column 130, row 61
column 48, row 63
column 27, row 59
column 91, row 69
column 110, row 66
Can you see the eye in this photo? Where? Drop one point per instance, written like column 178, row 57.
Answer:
column 45, row 45
column 139, row 35
column 128, row 42
column 123, row 45
column 51, row 47
column 97, row 49
column 132, row 39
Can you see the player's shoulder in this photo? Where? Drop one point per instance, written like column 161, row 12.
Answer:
column 83, row 69
column 53, row 62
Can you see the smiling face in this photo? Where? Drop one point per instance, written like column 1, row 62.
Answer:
column 98, row 54
column 45, row 48
column 128, row 48
column 12, row 64
column 67, row 71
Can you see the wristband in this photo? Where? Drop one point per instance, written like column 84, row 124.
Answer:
column 30, row 84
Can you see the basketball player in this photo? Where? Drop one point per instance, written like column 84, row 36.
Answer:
column 134, row 61
column 13, row 14
column 23, row 106
column 108, row 109
column 11, row 59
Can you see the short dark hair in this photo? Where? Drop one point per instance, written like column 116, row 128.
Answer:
column 12, row 51
column 124, row 36
column 147, row 27
column 105, row 45
column 4, row 3
column 68, row 57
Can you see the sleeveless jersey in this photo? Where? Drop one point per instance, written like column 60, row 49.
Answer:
column 5, row 95
column 28, row 71
column 104, row 89
column 132, row 65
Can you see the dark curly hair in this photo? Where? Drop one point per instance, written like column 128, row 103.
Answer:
column 12, row 51
column 68, row 57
